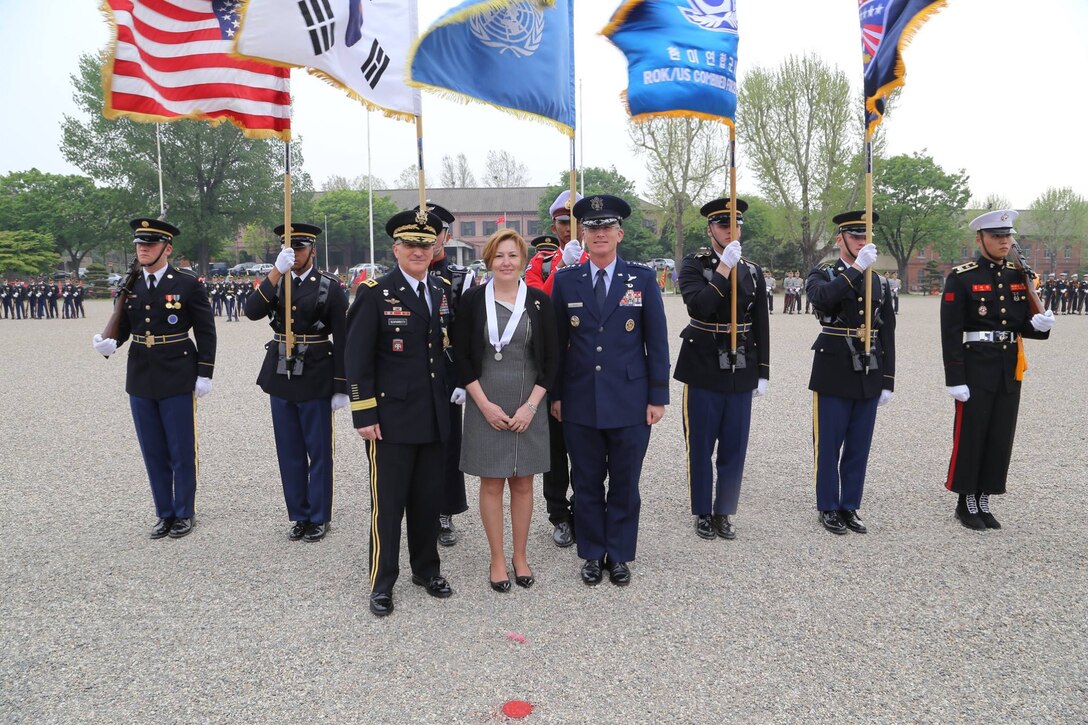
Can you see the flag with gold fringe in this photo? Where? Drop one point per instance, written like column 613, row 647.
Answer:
column 887, row 27
column 681, row 57
column 358, row 46
column 517, row 56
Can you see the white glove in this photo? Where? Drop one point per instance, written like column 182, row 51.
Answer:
column 458, row 397
column 960, row 392
column 1043, row 321
column 866, row 256
column 203, row 386
column 339, row 400
column 572, row 253
column 761, row 388
column 885, row 398
column 285, row 260
column 105, row 346
column 731, row 254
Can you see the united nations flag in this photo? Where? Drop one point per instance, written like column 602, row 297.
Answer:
column 681, row 57
column 518, row 56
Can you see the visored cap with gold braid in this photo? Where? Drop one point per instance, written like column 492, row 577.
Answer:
column 152, row 231
column 414, row 227
column 854, row 223
column 302, row 235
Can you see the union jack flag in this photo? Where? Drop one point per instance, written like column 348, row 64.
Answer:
column 171, row 59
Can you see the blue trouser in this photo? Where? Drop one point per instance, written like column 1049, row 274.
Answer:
column 842, row 431
column 69, row 308
column 231, row 314
column 304, row 450
column 606, row 521
column 166, row 430
column 713, row 418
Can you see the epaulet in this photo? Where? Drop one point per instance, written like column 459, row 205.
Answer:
column 370, row 282
column 444, row 279
column 965, row 267
column 188, row 272
column 640, row 264
column 824, row 266
column 566, row 268
column 330, row 276
column 457, row 268
column 703, row 252
column 1010, row 265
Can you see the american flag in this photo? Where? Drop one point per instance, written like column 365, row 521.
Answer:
column 171, row 59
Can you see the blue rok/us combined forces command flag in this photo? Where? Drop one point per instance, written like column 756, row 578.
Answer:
column 681, row 57
column 887, row 26
column 357, row 45
column 518, row 56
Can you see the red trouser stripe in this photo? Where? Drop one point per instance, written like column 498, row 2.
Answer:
column 955, row 444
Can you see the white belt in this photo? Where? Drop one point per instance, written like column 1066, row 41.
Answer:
column 990, row 336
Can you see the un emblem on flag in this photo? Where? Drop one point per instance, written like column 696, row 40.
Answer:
column 719, row 16
column 518, row 28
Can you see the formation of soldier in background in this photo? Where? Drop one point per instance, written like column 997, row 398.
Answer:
column 42, row 300
column 1065, row 294
column 229, row 295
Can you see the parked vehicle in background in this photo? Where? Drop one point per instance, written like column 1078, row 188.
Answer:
column 262, row 269
column 242, row 270
column 218, row 269
column 372, row 271
column 662, row 263
column 113, row 278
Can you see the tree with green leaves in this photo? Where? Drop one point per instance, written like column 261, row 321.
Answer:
column 349, row 223
column 685, row 156
column 640, row 242
column 919, row 205
column 1058, row 217
column 215, row 180
column 26, row 253
column 801, row 130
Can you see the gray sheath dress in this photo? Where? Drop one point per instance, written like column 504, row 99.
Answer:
column 489, row 453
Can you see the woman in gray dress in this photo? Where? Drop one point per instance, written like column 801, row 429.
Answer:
column 505, row 347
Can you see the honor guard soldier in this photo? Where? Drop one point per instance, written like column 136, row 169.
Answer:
column 984, row 313
column 549, row 258
column 459, row 279
column 400, row 406
column 18, row 297
column 51, row 300
column 613, row 384
column 66, row 292
column 77, row 299
column 846, row 387
column 718, row 389
column 166, row 368
column 306, row 387
column 5, row 295
column 230, row 294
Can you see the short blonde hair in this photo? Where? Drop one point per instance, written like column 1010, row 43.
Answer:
column 500, row 236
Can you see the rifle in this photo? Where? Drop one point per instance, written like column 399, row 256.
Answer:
column 113, row 325
column 1035, row 305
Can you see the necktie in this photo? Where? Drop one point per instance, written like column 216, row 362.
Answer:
column 423, row 297
column 151, row 283
column 598, row 289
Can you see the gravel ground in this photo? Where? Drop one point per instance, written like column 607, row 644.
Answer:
column 919, row 620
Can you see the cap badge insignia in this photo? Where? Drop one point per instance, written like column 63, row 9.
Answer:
column 1005, row 217
column 145, row 224
column 421, row 217
column 597, row 203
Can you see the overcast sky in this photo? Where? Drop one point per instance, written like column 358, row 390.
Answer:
column 993, row 88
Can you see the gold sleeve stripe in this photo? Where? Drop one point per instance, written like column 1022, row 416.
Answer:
column 716, row 289
column 262, row 294
column 364, row 404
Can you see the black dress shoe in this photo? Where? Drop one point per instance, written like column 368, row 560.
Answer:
column 853, row 521
column 522, row 581
column 832, row 522
column 181, row 527
column 447, row 535
column 316, row 532
column 381, row 604
column 619, row 573
column 970, row 520
column 298, row 530
column 984, row 510
column 723, row 527
column 591, row 572
column 161, row 528
column 436, row 586
column 563, row 536
column 704, row 529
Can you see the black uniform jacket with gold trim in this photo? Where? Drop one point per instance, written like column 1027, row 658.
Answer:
column 838, row 294
column 708, row 303
column 394, row 357
column 984, row 296
column 179, row 304
column 323, row 362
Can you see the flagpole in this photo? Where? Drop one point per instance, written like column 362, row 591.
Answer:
column 581, row 140
column 868, row 240
column 369, row 192
column 158, row 155
column 289, row 335
column 326, row 242
column 419, row 162
column 733, row 235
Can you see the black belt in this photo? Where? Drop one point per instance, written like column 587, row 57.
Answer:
column 847, row 332
column 716, row 327
column 153, row 340
column 301, row 339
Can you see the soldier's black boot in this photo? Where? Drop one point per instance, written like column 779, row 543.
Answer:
column 967, row 512
column 984, row 512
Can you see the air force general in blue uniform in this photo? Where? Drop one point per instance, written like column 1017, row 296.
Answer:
column 613, row 384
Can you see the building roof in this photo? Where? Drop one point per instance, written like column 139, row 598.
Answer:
column 484, row 200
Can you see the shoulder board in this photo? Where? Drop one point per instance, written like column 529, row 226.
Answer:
column 566, row 268
column 370, row 282
column 331, row 276
column 457, row 268
column 188, row 272
column 825, row 266
column 1009, row 265
column 703, row 252
column 639, row 264
column 965, row 267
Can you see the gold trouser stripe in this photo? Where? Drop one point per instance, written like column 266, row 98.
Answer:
column 367, row 404
column 687, row 443
column 375, row 539
column 815, row 435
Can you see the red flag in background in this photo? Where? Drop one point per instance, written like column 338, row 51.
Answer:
column 501, row 220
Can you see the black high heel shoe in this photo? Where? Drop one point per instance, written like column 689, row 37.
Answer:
column 522, row 581
column 502, row 586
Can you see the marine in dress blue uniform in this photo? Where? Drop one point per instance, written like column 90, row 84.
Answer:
column 167, row 370
column 718, row 391
column 845, row 395
column 984, row 315
column 613, row 384
column 304, row 400
column 399, row 405
column 459, row 279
